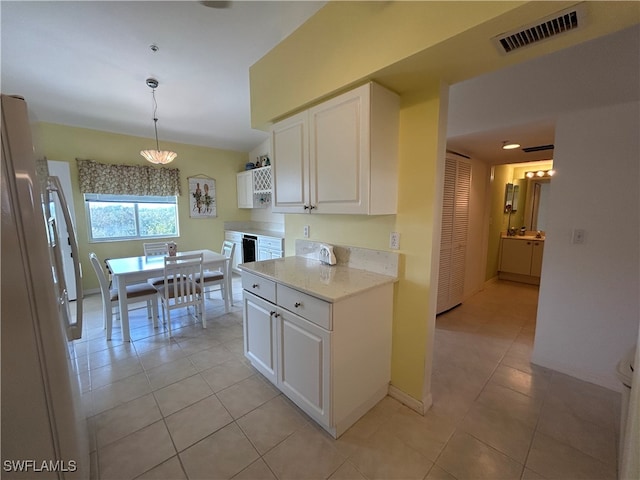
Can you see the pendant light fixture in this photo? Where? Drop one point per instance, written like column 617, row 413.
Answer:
column 156, row 156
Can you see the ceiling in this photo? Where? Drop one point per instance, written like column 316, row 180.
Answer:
column 84, row 63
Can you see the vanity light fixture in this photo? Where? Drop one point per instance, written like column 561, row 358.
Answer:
column 508, row 145
column 540, row 173
column 156, row 156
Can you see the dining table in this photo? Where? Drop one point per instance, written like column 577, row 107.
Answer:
column 130, row 270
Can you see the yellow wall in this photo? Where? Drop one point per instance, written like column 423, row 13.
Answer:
column 63, row 143
column 352, row 40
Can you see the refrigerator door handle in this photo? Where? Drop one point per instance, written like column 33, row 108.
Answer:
column 74, row 330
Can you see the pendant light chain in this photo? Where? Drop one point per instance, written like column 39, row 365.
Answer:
column 155, row 116
column 156, row 156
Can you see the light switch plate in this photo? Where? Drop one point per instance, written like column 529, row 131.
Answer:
column 577, row 236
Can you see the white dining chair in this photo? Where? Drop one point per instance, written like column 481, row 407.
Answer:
column 152, row 249
column 212, row 278
column 180, row 289
column 135, row 293
column 156, row 249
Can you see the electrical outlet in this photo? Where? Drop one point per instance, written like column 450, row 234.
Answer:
column 305, row 231
column 577, row 236
column 394, row 241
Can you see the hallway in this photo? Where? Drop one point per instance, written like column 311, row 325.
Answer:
column 508, row 412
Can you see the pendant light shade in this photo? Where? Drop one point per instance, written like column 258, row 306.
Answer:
column 156, row 156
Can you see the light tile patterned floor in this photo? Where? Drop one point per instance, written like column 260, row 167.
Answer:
column 193, row 408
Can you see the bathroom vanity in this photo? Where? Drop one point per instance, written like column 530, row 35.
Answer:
column 521, row 258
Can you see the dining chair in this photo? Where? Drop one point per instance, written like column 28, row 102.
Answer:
column 152, row 249
column 135, row 293
column 180, row 289
column 156, row 249
column 211, row 278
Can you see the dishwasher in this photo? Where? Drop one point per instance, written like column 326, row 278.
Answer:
column 249, row 247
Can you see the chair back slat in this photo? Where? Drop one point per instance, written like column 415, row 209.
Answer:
column 153, row 249
column 180, row 275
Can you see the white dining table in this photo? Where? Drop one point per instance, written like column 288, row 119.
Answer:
column 130, row 270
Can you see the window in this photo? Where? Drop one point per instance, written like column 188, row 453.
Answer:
column 130, row 217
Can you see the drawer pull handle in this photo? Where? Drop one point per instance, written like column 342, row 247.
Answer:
column 297, row 304
column 255, row 285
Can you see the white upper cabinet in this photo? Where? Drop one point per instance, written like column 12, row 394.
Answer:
column 290, row 144
column 339, row 157
column 254, row 188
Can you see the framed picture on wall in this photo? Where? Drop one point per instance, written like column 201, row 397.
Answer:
column 202, row 197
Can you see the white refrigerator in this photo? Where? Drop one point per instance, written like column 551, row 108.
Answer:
column 44, row 429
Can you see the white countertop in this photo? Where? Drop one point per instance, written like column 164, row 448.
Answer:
column 523, row 237
column 327, row 282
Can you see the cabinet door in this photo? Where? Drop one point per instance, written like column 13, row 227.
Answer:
column 244, row 182
column 264, row 254
column 290, row 167
column 303, row 359
column 536, row 259
column 259, row 324
column 515, row 256
column 339, row 153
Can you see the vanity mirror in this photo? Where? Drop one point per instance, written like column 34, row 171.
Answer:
column 537, row 201
column 511, row 197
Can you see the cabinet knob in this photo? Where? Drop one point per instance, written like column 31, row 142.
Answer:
column 306, row 207
column 528, row 243
column 311, row 207
column 297, row 304
column 272, row 314
column 276, row 315
column 255, row 285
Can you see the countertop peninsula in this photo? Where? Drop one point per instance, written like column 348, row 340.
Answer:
column 331, row 283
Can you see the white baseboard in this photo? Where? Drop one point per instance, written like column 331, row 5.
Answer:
column 409, row 401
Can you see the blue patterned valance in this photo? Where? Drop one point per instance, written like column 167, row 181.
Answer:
column 116, row 179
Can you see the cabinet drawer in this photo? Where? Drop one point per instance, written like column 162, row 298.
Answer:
column 259, row 286
column 313, row 309
column 270, row 243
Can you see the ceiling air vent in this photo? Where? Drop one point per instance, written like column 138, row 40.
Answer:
column 539, row 148
column 556, row 24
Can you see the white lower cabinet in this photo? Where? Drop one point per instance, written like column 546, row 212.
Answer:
column 270, row 248
column 260, row 335
column 333, row 360
column 303, row 359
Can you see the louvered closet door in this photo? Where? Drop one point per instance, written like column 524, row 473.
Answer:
column 455, row 226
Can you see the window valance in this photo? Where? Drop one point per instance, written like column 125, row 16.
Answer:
column 115, row 179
